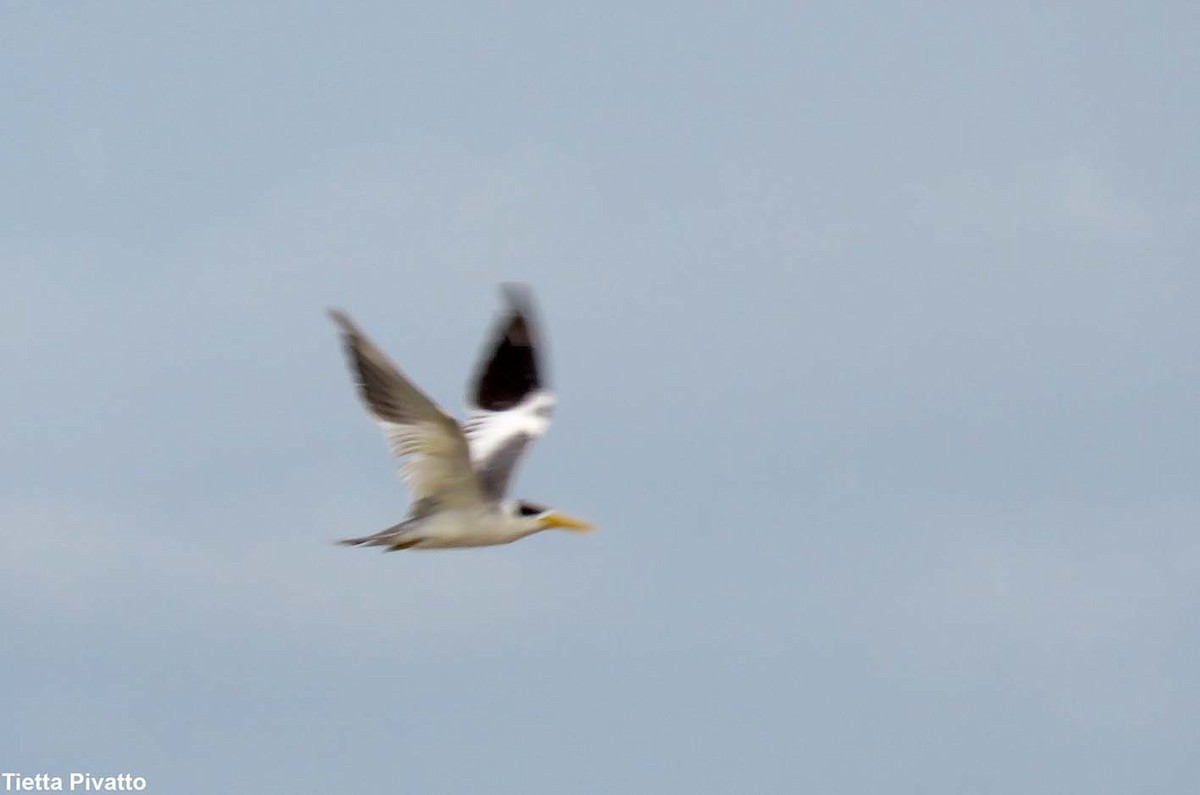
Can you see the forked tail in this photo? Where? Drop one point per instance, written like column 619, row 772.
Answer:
column 398, row 536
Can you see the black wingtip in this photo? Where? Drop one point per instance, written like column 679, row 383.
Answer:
column 510, row 369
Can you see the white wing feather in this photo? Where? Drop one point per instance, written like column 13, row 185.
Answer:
column 437, row 463
column 497, row 439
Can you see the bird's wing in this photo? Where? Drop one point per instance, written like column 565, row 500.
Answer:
column 438, row 467
column 510, row 404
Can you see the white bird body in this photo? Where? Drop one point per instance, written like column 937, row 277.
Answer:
column 471, row 526
column 458, row 475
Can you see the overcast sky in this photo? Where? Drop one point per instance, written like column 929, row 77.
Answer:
column 874, row 333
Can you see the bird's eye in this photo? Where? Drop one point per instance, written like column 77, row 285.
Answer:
column 528, row 509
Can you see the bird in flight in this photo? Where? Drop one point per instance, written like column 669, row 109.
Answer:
column 458, row 475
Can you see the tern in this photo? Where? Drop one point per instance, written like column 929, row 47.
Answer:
column 457, row 475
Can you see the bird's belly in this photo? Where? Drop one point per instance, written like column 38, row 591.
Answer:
column 454, row 530
column 458, row 540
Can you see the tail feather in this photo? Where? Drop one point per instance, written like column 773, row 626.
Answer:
column 397, row 536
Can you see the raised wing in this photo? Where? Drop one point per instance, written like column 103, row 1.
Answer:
column 438, row 467
column 510, row 404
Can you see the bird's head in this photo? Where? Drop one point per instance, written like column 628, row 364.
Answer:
column 541, row 518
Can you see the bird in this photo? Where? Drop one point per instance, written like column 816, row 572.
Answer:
column 458, row 474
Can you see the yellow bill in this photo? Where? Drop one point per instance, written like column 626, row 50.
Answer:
column 556, row 519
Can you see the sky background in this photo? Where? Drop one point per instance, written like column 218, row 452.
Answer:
column 874, row 331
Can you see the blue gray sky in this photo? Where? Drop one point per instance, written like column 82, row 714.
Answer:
column 874, row 331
